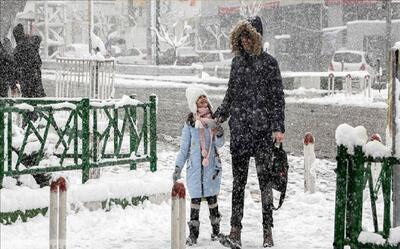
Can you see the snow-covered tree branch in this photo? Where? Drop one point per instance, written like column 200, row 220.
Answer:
column 249, row 8
column 175, row 35
column 216, row 31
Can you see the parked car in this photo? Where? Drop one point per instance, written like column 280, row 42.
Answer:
column 351, row 60
column 133, row 56
column 186, row 56
column 216, row 57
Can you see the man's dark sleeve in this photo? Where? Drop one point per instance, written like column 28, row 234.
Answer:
column 278, row 99
column 223, row 111
column 17, row 66
column 11, row 73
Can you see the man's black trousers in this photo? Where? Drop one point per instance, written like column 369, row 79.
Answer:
column 240, row 168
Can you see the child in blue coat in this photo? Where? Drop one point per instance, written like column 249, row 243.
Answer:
column 200, row 138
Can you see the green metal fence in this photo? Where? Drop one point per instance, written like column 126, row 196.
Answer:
column 353, row 176
column 78, row 132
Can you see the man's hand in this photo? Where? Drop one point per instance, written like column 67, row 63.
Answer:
column 14, row 92
column 278, row 136
column 218, row 130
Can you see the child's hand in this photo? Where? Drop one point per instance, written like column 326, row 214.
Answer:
column 177, row 174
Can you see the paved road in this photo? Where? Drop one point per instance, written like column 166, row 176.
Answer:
column 322, row 120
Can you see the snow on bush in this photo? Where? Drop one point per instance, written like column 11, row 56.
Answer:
column 110, row 185
column 28, row 181
column 25, row 106
column 351, row 136
column 394, row 236
column 376, row 149
column 371, row 238
column 9, row 182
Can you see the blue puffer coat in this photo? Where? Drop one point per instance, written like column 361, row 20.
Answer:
column 199, row 178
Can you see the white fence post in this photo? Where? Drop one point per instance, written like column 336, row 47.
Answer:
column 331, row 84
column 58, row 214
column 178, row 216
column 309, row 163
column 349, row 85
column 366, row 86
column 85, row 78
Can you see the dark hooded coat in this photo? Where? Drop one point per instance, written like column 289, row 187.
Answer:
column 28, row 64
column 7, row 71
column 254, row 100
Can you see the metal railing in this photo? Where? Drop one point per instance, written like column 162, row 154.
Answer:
column 85, row 78
column 71, row 130
column 353, row 175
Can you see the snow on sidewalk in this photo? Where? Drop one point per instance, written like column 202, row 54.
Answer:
column 305, row 221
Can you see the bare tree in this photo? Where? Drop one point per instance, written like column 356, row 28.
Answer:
column 201, row 43
column 176, row 35
column 216, row 31
column 250, row 8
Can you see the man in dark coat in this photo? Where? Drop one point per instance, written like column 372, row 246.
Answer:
column 7, row 71
column 255, row 103
column 28, row 64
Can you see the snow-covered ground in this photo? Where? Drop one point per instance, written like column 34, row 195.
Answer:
column 304, row 221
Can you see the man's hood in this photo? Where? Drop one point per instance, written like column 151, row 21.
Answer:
column 246, row 26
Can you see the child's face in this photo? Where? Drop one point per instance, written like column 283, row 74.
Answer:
column 202, row 102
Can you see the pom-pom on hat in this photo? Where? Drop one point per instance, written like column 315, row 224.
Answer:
column 192, row 95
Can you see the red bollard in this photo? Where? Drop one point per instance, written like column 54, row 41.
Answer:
column 376, row 137
column 178, row 215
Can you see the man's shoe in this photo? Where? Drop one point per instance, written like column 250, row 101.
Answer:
column 268, row 241
column 232, row 241
column 215, row 237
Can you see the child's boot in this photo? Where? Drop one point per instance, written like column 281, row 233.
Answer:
column 194, row 226
column 215, row 227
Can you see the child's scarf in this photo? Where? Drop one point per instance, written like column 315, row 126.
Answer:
column 203, row 117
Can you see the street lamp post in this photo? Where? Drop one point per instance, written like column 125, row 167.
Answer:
column 90, row 20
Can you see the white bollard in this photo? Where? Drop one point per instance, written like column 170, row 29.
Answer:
column 53, row 216
column 309, row 163
column 58, row 214
column 178, row 216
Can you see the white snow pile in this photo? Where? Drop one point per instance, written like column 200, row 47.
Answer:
column 351, row 136
column 371, row 238
column 125, row 100
column 341, row 99
column 394, row 236
column 25, row 106
column 98, row 43
column 376, row 149
column 110, row 185
column 63, row 105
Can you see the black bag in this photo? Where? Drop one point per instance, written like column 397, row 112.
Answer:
column 279, row 171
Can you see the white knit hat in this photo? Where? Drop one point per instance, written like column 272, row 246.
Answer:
column 192, row 95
